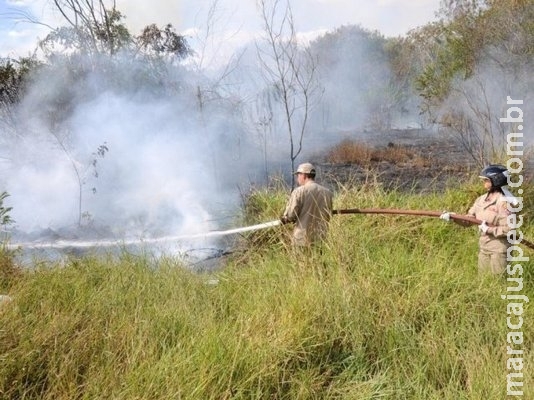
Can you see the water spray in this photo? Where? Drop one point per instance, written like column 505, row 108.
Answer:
column 64, row 244
column 188, row 247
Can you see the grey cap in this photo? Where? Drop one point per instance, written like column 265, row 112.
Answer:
column 305, row 168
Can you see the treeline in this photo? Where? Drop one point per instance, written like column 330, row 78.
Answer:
column 430, row 70
column 453, row 73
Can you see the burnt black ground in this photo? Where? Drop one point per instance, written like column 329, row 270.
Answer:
column 439, row 162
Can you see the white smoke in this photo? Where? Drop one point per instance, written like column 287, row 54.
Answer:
column 481, row 99
column 168, row 168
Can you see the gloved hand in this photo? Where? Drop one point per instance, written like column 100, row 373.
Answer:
column 483, row 227
column 446, row 216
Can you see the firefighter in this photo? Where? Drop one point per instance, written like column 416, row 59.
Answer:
column 309, row 208
column 492, row 209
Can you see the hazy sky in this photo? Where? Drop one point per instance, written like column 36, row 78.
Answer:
column 235, row 20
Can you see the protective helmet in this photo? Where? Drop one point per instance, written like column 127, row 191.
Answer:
column 497, row 174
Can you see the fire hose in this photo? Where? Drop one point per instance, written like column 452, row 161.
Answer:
column 422, row 213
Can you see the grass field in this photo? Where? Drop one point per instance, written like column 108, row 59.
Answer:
column 393, row 308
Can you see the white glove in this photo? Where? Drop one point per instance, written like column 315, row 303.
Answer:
column 483, row 227
column 446, row 216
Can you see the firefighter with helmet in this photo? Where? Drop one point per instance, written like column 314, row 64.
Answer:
column 492, row 208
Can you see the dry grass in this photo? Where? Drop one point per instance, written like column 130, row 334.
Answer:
column 354, row 152
column 392, row 308
column 9, row 271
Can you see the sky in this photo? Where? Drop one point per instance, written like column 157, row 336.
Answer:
column 236, row 21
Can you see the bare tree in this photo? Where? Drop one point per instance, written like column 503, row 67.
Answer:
column 289, row 69
column 210, row 42
column 81, row 170
column 93, row 26
column 262, row 120
column 471, row 114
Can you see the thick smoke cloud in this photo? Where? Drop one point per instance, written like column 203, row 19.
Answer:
column 181, row 148
column 171, row 167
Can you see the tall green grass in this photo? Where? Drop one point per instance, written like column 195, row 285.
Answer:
column 393, row 308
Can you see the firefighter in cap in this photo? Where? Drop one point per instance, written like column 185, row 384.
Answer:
column 309, row 208
column 492, row 208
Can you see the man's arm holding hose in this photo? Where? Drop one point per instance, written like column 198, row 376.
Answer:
column 292, row 208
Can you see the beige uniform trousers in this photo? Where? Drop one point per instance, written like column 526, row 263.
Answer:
column 492, row 255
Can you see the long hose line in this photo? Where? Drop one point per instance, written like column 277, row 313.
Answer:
column 420, row 213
